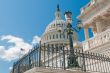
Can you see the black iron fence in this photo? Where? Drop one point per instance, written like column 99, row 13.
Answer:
column 59, row 57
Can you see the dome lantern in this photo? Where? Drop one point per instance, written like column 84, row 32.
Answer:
column 58, row 9
column 58, row 13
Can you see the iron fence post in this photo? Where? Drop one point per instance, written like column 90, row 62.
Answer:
column 44, row 54
column 48, row 48
column 13, row 68
column 40, row 55
column 57, row 46
column 52, row 55
column 64, row 58
column 29, row 61
column 18, row 68
column 84, row 66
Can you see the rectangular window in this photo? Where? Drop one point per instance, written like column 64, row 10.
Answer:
column 53, row 37
column 57, row 36
column 64, row 35
column 60, row 35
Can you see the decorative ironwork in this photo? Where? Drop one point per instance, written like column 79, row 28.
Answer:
column 56, row 57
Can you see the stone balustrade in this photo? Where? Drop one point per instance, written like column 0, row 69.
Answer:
column 97, row 40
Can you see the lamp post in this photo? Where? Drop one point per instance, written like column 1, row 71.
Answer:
column 72, row 57
column 69, row 29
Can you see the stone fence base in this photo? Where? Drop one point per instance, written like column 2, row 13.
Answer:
column 48, row 70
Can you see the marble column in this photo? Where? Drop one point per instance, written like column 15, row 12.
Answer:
column 86, row 33
column 99, row 26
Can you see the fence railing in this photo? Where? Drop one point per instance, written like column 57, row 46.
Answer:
column 60, row 57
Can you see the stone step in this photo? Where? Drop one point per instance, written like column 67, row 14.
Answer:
column 49, row 70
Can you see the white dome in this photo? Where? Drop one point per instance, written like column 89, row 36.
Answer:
column 54, row 25
column 52, row 35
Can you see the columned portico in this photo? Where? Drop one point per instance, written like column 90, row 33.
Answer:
column 96, row 15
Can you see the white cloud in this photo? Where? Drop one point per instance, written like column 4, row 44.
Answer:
column 13, row 52
column 36, row 39
column 2, row 50
column 10, row 68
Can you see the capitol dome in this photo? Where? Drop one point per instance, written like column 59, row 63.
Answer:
column 54, row 25
column 52, row 34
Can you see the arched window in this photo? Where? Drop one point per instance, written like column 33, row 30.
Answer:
column 50, row 37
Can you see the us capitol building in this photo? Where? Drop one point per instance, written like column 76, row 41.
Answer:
column 53, row 35
column 95, row 16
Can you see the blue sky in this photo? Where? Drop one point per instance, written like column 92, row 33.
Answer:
column 26, row 20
